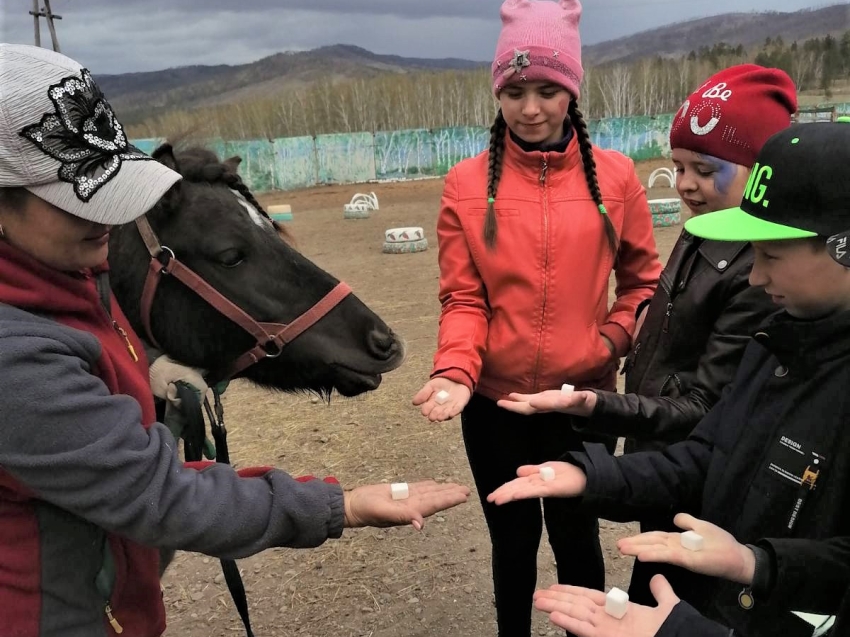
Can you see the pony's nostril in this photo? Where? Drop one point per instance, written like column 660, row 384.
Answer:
column 381, row 344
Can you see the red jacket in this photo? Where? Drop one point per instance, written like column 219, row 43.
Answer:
column 527, row 316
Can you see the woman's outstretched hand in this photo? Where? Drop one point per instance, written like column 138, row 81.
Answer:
column 373, row 505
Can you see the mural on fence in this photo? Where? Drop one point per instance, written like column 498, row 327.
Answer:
column 344, row 158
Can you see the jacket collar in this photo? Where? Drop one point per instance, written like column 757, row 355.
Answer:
column 806, row 344
column 531, row 162
column 721, row 254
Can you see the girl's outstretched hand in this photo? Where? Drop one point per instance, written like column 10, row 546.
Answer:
column 569, row 482
column 577, row 403
column 426, row 399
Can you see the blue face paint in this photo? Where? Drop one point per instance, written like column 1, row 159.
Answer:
column 724, row 172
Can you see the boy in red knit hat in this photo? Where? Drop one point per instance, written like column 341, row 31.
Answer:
column 704, row 311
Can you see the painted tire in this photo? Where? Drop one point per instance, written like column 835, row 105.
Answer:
column 665, row 206
column 400, row 235
column 405, row 247
column 356, row 214
column 666, row 219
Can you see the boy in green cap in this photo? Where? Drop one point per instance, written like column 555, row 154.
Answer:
column 769, row 465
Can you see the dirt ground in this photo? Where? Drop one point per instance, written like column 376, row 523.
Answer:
column 371, row 583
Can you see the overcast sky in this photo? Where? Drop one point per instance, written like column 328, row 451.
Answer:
column 118, row 36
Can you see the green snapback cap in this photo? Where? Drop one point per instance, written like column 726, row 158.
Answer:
column 798, row 188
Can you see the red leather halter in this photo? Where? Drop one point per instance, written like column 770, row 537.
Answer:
column 270, row 338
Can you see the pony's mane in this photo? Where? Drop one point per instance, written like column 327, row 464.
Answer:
column 199, row 165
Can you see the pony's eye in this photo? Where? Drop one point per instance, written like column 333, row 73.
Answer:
column 231, row 258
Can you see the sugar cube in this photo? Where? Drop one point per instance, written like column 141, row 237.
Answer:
column 441, row 397
column 692, row 541
column 566, row 388
column 616, row 603
column 399, row 491
column 547, row 473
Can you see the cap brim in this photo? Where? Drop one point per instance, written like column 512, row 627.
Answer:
column 135, row 189
column 734, row 224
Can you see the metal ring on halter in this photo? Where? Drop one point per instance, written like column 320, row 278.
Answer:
column 164, row 249
column 275, row 354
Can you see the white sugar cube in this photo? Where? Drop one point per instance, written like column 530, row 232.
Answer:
column 692, row 541
column 441, row 397
column 400, row 491
column 567, row 388
column 547, row 473
column 616, row 603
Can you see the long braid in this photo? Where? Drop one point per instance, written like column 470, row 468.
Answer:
column 494, row 175
column 589, row 164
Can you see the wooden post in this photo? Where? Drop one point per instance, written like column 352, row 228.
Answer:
column 35, row 13
column 50, row 17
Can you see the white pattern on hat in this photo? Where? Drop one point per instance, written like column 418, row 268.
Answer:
column 56, row 152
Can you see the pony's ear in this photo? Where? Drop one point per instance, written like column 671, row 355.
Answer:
column 164, row 154
column 232, row 163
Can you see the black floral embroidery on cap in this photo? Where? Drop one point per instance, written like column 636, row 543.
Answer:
column 83, row 134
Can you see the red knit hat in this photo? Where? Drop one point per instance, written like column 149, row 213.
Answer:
column 734, row 113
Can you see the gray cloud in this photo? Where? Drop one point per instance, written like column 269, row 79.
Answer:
column 112, row 36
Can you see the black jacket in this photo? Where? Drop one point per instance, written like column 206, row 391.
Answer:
column 786, row 412
column 699, row 321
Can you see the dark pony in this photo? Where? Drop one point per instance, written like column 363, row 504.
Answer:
column 214, row 225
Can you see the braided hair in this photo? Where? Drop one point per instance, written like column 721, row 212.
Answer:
column 589, row 164
column 494, row 174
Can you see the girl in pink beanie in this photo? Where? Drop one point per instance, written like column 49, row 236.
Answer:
column 529, row 233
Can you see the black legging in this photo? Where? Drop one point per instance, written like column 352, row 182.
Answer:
column 497, row 443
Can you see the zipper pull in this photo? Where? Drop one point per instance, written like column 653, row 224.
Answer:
column 126, row 338
column 666, row 324
column 543, row 168
column 112, row 621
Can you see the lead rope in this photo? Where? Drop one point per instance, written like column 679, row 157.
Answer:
column 228, row 567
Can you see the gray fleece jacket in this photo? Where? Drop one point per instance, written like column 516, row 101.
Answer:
column 77, row 465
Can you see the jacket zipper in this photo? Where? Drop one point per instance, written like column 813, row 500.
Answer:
column 127, row 342
column 101, row 283
column 118, row 628
column 675, row 379
column 665, row 326
column 630, row 361
column 544, row 167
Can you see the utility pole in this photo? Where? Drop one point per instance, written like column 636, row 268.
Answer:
column 37, row 13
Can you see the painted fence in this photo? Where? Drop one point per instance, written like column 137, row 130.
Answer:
column 300, row 162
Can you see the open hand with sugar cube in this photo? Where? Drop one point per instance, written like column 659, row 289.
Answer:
column 703, row 548
column 565, row 400
column 400, row 503
column 442, row 399
column 590, row 613
column 550, row 480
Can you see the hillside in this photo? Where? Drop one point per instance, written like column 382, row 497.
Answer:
column 747, row 29
column 141, row 94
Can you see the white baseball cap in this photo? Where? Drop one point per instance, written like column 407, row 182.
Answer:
column 60, row 139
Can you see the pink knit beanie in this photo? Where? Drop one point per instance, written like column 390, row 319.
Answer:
column 539, row 42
